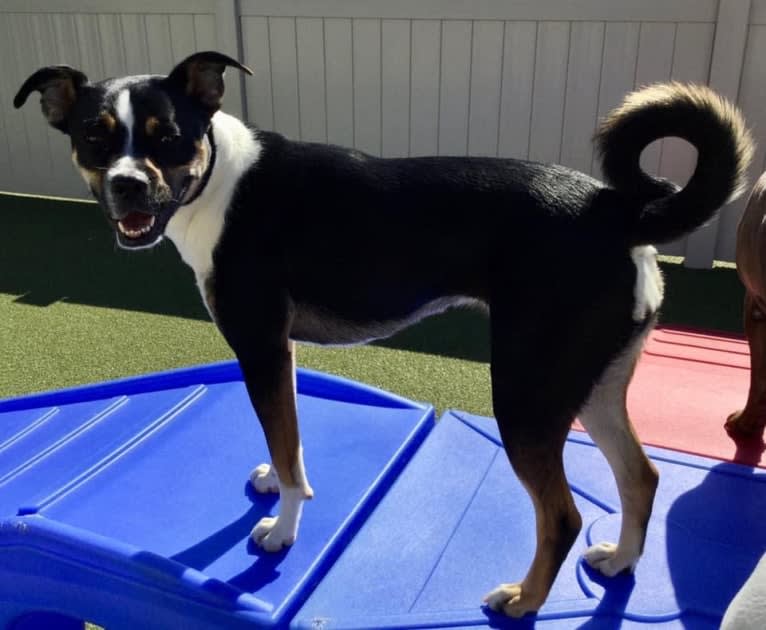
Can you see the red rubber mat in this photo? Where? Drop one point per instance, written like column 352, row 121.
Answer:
column 686, row 384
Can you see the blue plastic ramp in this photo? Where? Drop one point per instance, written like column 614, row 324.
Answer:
column 457, row 523
column 128, row 504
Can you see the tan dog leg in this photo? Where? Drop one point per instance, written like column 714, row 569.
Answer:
column 605, row 417
column 750, row 422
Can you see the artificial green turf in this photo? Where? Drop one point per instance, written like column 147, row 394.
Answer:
column 75, row 309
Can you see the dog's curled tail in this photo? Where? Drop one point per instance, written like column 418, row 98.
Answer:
column 701, row 117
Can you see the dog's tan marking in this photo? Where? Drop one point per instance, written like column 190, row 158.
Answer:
column 176, row 175
column 155, row 172
column 108, row 121
column 93, row 177
column 151, row 124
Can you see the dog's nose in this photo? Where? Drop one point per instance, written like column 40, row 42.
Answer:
column 125, row 187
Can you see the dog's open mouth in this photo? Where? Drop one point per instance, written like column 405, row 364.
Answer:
column 138, row 230
column 136, row 224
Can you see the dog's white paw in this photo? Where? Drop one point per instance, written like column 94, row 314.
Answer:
column 513, row 600
column 271, row 534
column 264, row 479
column 605, row 558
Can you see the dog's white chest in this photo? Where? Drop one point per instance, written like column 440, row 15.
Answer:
column 197, row 227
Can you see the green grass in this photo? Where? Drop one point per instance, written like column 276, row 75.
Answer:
column 75, row 309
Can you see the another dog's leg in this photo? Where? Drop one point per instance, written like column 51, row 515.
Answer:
column 270, row 380
column 605, row 417
column 750, row 422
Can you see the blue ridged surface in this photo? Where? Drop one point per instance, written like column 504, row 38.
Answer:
column 128, row 503
column 457, row 523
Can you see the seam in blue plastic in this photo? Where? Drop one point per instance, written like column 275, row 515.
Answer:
column 602, row 504
column 352, row 524
column 454, row 530
column 29, row 428
column 64, row 439
column 486, row 434
column 593, row 499
column 122, row 450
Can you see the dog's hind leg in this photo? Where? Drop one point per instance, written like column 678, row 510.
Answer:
column 605, row 417
column 534, row 421
column 539, row 466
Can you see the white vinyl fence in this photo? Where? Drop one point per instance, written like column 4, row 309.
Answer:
column 518, row 78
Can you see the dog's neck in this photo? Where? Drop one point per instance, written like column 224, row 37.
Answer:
column 196, row 189
column 196, row 227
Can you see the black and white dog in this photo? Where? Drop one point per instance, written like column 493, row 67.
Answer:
column 308, row 242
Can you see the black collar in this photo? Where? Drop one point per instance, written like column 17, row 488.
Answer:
column 208, row 171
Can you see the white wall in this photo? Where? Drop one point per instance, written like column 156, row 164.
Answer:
column 525, row 79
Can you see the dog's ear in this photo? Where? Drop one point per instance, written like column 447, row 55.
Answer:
column 201, row 77
column 58, row 86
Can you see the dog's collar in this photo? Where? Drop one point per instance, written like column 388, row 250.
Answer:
column 208, row 171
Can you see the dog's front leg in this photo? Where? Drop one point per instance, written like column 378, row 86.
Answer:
column 270, row 380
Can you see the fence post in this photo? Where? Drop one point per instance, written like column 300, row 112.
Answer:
column 725, row 71
column 228, row 32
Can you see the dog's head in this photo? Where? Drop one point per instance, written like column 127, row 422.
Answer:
column 140, row 142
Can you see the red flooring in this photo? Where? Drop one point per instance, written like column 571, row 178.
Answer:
column 685, row 386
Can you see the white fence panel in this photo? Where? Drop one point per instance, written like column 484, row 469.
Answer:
column 525, row 79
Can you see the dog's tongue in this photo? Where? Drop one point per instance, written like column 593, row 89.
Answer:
column 136, row 220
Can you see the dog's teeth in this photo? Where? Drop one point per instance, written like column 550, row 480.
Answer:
column 136, row 233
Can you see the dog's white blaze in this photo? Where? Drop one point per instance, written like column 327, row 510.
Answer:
column 124, row 110
column 126, row 165
column 196, row 228
column 649, row 286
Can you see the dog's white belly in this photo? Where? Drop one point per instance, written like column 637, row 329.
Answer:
column 316, row 326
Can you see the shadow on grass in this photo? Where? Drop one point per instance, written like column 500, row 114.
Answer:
column 52, row 250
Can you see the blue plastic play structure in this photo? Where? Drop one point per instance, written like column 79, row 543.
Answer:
column 127, row 504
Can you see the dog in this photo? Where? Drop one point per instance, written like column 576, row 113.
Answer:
column 748, row 424
column 295, row 241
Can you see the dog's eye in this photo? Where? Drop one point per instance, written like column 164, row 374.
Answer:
column 94, row 139
column 169, row 138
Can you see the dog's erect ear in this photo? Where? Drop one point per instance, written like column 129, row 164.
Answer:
column 58, row 86
column 201, row 77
